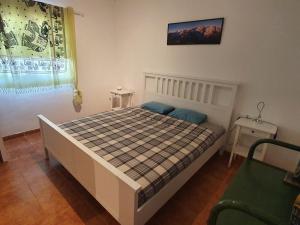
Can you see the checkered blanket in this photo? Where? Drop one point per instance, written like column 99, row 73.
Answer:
column 148, row 147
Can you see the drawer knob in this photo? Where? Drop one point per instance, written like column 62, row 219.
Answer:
column 252, row 131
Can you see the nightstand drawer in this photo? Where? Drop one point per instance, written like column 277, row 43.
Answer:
column 255, row 133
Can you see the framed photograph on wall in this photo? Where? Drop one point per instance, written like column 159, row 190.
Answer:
column 207, row 31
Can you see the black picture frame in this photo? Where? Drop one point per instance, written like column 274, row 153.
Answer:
column 197, row 32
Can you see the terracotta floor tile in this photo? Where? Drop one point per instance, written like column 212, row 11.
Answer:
column 27, row 213
column 7, row 217
column 33, row 138
column 65, row 217
column 14, row 143
column 98, row 220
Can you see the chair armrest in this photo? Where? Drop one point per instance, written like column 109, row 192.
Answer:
column 242, row 207
column 273, row 142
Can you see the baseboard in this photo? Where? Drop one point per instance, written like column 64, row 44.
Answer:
column 20, row 134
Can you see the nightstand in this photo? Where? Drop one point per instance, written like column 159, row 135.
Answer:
column 254, row 130
column 121, row 99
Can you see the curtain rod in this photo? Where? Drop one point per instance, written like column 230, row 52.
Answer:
column 77, row 13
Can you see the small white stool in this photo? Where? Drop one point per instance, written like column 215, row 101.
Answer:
column 123, row 98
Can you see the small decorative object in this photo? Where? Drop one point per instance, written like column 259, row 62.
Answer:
column 119, row 88
column 77, row 100
column 196, row 32
column 260, row 107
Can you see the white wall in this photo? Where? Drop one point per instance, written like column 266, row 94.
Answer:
column 96, row 48
column 260, row 48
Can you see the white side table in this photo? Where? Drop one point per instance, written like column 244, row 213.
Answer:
column 249, row 127
column 121, row 99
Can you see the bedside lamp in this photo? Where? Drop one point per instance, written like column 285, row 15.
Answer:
column 260, row 107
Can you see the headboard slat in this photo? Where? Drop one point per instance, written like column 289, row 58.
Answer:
column 202, row 96
column 213, row 97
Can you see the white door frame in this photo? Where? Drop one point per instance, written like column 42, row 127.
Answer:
column 3, row 150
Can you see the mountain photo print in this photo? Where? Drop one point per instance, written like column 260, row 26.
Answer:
column 196, row 32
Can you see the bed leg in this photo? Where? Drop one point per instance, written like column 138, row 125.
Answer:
column 128, row 200
column 46, row 154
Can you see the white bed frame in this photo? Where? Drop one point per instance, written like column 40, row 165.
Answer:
column 115, row 191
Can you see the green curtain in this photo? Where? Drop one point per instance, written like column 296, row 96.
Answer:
column 37, row 47
column 71, row 53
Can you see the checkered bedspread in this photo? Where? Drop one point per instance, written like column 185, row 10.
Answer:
column 148, row 147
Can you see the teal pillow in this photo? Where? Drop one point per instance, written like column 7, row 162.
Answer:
column 158, row 107
column 189, row 115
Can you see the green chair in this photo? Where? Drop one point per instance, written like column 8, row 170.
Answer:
column 257, row 194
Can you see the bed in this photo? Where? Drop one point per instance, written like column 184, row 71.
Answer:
column 133, row 160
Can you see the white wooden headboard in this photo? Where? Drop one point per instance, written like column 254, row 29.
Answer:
column 212, row 97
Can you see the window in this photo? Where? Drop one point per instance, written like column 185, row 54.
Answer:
column 37, row 46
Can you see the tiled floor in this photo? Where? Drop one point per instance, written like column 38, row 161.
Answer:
column 40, row 192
